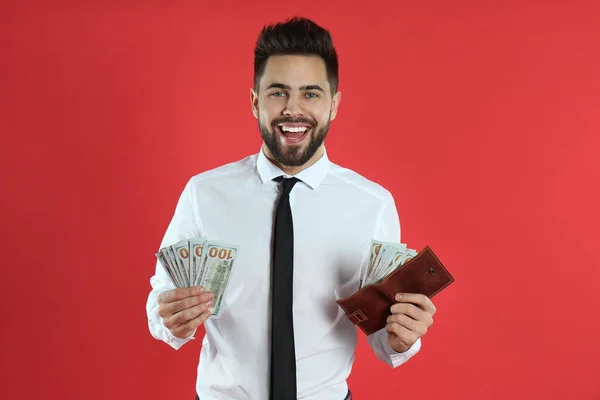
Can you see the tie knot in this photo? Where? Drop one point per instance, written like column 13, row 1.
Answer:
column 286, row 184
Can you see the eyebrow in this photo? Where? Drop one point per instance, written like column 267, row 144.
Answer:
column 286, row 87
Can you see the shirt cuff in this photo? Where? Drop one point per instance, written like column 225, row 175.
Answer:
column 401, row 358
column 174, row 341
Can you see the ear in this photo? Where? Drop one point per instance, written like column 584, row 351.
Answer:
column 335, row 103
column 254, row 102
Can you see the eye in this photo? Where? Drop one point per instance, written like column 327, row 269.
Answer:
column 311, row 95
column 277, row 94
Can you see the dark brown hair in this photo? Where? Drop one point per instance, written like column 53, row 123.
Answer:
column 296, row 36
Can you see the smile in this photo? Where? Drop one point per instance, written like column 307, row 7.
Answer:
column 293, row 133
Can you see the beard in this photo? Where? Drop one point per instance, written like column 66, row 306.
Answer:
column 293, row 156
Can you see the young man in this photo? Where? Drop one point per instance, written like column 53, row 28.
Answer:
column 302, row 241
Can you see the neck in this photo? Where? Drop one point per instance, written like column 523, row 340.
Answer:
column 296, row 169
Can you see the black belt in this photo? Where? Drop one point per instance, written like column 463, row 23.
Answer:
column 348, row 396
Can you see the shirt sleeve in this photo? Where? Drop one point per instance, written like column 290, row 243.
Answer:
column 184, row 224
column 388, row 230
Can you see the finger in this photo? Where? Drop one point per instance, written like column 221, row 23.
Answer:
column 185, row 330
column 183, row 317
column 168, row 309
column 406, row 336
column 415, row 326
column 411, row 310
column 186, row 315
column 418, row 299
column 179, row 293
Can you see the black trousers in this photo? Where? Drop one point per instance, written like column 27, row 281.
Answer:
column 348, row 396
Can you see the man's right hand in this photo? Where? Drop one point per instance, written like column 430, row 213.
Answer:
column 184, row 309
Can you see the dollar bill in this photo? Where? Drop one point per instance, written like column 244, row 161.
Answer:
column 167, row 268
column 382, row 255
column 182, row 257
column 379, row 260
column 196, row 249
column 172, row 267
column 385, row 258
column 217, row 264
column 200, row 262
column 393, row 255
column 172, row 259
column 401, row 258
column 374, row 250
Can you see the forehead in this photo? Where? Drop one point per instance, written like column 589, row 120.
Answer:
column 295, row 71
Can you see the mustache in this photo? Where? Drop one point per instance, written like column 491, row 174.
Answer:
column 301, row 120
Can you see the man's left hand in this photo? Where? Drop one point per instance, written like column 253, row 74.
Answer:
column 411, row 316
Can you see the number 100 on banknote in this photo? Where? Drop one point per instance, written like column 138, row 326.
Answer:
column 200, row 262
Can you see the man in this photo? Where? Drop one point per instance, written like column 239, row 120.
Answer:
column 302, row 241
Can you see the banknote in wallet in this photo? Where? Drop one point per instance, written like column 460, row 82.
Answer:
column 420, row 272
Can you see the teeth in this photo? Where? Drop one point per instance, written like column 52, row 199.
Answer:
column 294, row 129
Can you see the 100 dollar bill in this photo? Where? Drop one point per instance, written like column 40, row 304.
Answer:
column 385, row 258
column 200, row 262
column 217, row 262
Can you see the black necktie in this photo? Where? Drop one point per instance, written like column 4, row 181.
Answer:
column 283, row 354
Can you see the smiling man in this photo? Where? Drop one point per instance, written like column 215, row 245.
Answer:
column 294, row 115
column 303, row 225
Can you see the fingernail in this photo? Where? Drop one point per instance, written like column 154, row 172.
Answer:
column 399, row 296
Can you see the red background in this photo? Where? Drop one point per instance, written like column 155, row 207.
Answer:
column 481, row 119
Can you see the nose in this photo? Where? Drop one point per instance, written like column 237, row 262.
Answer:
column 292, row 108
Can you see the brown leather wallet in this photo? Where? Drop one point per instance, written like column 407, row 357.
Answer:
column 370, row 306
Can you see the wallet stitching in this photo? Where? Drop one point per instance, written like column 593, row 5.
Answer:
column 363, row 319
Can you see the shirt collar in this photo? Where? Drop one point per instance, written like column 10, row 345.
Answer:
column 312, row 176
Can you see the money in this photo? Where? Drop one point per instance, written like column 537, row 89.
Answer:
column 384, row 258
column 182, row 258
column 200, row 262
column 217, row 263
column 197, row 251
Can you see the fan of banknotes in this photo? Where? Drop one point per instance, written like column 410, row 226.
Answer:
column 200, row 261
column 384, row 258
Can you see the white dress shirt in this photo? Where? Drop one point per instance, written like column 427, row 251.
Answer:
column 336, row 214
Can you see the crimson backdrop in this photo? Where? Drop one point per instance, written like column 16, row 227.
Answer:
column 481, row 119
